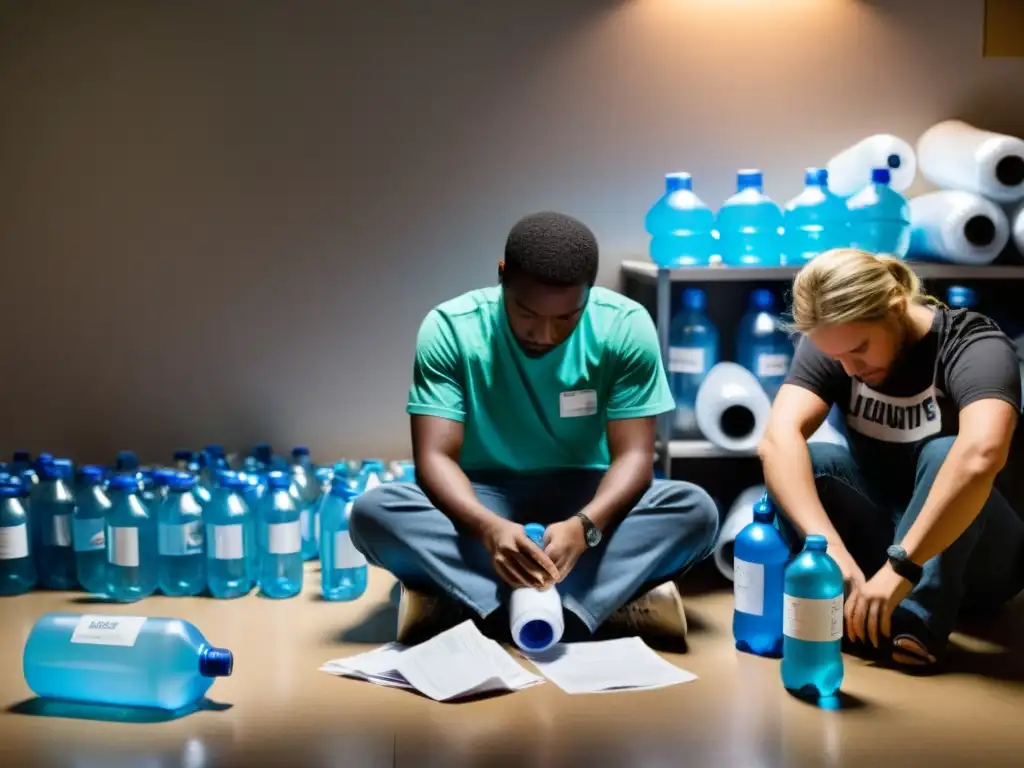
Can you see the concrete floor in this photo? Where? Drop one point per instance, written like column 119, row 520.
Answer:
column 277, row 709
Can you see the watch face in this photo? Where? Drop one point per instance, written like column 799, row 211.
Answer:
column 593, row 536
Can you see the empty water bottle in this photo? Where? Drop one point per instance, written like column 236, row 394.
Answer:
column 764, row 347
column 53, row 506
column 812, row 622
column 230, row 539
column 17, row 568
column 879, row 218
column 89, row 530
column 693, row 351
column 343, row 569
column 182, row 571
column 131, row 537
column 814, row 221
column 759, row 560
column 750, row 225
column 128, row 661
column 681, row 226
column 280, row 530
column 305, row 491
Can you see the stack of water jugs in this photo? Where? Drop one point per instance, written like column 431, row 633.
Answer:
column 127, row 531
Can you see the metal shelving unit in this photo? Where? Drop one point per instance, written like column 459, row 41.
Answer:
column 663, row 279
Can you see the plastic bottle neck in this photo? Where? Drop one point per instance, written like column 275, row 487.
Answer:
column 216, row 662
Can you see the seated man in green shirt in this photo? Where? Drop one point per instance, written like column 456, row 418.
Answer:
column 535, row 401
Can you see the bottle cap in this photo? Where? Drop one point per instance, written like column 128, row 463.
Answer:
column 228, row 479
column 300, row 450
column 21, row 457
column 763, row 512
column 677, row 181
column 278, row 480
column 125, row 482
column 182, row 481
column 64, row 469
column 816, row 177
column 91, row 474
column 262, row 452
column 41, row 460
column 216, row 662
column 126, row 461
column 762, row 298
column 694, row 298
column 341, row 488
column 816, row 542
column 749, row 178
column 11, row 486
column 960, row 296
column 894, row 161
column 880, row 176
column 536, row 533
column 183, row 455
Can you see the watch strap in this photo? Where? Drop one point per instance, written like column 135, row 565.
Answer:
column 903, row 565
column 588, row 527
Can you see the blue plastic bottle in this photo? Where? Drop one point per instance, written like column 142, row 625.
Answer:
column 763, row 347
column 230, row 539
column 693, row 351
column 812, row 622
column 131, row 538
column 760, row 555
column 371, row 474
column 681, row 226
column 280, row 540
column 879, row 217
column 89, row 530
column 305, row 491
column 961, row 297
column 343, row 569
column 749, row 225
column 814, row 221
column 182, row 571
column 128, row 661
column 53, row 506
column 17, row 567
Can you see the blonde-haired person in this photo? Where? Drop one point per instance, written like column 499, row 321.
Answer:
column 931, row 398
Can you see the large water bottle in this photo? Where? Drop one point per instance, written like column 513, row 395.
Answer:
column 693, row 351
column 182, row 571
column 812, row 622
column 128, row 661
column 343, row 569
column 17, row 567
column 53, row 506
column 536, row 617
column 305, row 491
column 280, row 540
column 961, row 297
column 681, row 226
column 814, row 221
column 750, row 225
column 879, row 218
column 131, row 537
column 89, row 530
column 763, row 347
column 760, row 555
column 230, row 539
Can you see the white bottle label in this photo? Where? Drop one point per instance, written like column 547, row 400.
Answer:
column 345, row 553
column 227, row 542
column 108, row 630
column 58, row 533
column 89, row 534
column 748, row 586
column 284, row 538
column 772, row 365
column 181, row 539
column 686, row 360
column 123, row 546
column 14, row 542
column 811, row 619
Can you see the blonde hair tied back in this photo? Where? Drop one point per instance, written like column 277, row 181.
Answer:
column 846, row 285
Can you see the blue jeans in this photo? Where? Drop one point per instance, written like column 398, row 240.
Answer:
column 671, row 527
column 980, row 571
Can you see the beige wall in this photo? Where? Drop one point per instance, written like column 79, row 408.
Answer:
column 224, row 220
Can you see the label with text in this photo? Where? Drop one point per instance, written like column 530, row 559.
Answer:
column 815, row 620
column 748, row 586
column 108, row 630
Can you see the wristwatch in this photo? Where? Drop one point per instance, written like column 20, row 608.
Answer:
column 903, row 565
column 591, row 533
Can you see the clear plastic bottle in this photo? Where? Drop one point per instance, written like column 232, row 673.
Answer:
column 230, row 539
column 343, row 569
column 17, row 567
column 814, row 221
column 89, row 530
column 681, row 226
column 879, row 218
column 750, row 225
column 53, row 507
column 763, row 347
column 305, row 491
column 182, row 571
column 280, row 540
column 812, row 622
column 693, row 351
column 128, row 661
column 131, row 538
column 760, row 555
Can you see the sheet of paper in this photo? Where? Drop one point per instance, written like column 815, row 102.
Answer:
column 608, row 665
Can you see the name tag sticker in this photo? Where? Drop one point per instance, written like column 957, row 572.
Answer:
column 583, row 402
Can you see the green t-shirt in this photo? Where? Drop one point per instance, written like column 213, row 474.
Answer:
column 535, row 414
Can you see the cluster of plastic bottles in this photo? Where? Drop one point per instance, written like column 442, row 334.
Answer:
column 762, row 346
column 750, row 230
column 789, row 608
column 202, row 525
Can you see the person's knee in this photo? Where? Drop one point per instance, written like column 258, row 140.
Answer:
column 827, row 459
column 699, row 524
column 371, row 512
column 932, row 454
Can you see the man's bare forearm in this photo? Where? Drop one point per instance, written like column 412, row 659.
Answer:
column 445, row 482
column 628, row 476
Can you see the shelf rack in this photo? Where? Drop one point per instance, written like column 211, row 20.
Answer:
column 647, row 272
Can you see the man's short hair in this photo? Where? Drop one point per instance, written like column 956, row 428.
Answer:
column 553, row 249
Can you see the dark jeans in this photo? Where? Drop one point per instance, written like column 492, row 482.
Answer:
column 672, row 526
column 980, row 571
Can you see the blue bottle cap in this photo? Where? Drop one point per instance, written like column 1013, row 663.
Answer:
column 262, row 452
column 816, row 177
column 375, row 465
column 762, row 298
column 215, row 450
column 91, row 474
column 536, row 533
column 816, row 542
column 126, row 461
column 763, row 512
column 64, row 468
column 694, row 298
column 300, row 450
column 960, row 296
column 42, row 460
column 182, row 481
column 216, row 662
column 125, row 482
column 278, row 480
column 183, row 455
column 894, row 161
column 342, row 489
column 880, row 176
column 21, row 457
column 162, row 477
column 677, row 181
column 11, row 487
column 749, row 177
